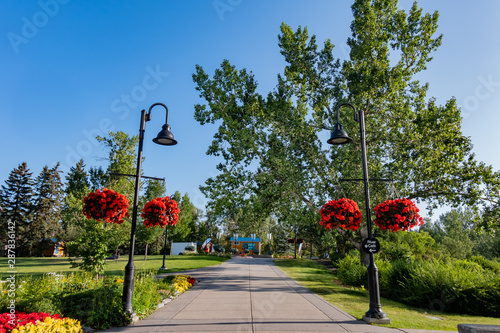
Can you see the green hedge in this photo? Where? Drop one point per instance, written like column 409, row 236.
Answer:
column 458, row 286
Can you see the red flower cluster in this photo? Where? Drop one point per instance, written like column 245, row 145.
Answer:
column 106, row 205
column 343, row 213
column 191, row 280
column 399, row 214
column 160, row 211
column 21, row 319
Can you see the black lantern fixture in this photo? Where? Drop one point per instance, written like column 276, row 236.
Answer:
column 338, row 137
column 165, row 137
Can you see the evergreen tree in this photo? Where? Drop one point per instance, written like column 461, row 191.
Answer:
column 77, row 181
column 46, row 209
column 16, row 203
column 77, row 187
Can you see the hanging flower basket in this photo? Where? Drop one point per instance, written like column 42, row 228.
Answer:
column 106, row 205
column 160, row 211
column 396, row 215
column 291, row 241
column 343, row 213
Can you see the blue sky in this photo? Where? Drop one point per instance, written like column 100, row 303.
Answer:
column 72, row 69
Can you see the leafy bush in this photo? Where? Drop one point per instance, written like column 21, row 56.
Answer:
column 146, row 295
column 234, row 251
column 189, row 248
column 351, row 272
column 487, row 264
column 458, row 286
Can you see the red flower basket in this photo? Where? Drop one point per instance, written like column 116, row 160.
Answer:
column 160, row 211
column 343, row 213
column 399, row 214
column 106, row 205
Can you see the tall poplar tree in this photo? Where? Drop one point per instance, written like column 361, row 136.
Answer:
column 271, row 147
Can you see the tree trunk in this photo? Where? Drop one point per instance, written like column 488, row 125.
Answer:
column 146, row 253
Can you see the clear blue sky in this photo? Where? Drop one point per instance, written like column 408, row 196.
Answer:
column 72, row 69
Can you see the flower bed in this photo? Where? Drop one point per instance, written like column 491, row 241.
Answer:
column 95, row 303
column 37, row 322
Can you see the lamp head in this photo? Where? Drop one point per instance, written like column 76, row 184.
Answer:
column 339, row 136
column 165, row 137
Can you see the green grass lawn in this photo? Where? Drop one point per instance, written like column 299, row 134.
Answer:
column 39, row 266
column 323, row 282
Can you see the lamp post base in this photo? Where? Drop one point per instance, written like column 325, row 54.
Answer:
column 371, row 320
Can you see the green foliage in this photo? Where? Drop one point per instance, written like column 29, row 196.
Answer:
column 46, row 209
column 406, row 245
column 351, row 272
column 146, row 295
column 16, row 204
column 97, row 303
column 185, row 230
column 91, row 247
column 458, row 286
column 273, row 159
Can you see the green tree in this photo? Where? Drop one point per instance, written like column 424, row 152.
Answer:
column 16, row 205
column 77, row 187
column 46, row 209
column 144, row 235
column 122, row 158
column 271, row 147
column 189, row 217
column 90, row 248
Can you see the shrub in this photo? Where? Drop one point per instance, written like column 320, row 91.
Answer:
column 460, row 286
column 487, row 264
column 146, row 295
column 256, row 251
column 234, row 251
column 351, row 272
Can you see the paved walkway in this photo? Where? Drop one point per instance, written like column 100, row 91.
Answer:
column 250, row 295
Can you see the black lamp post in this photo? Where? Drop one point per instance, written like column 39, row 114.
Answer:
column 338, row 137
column 163, row 268
column 166, row 138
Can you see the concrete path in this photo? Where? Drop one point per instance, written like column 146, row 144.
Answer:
column 250, row 295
